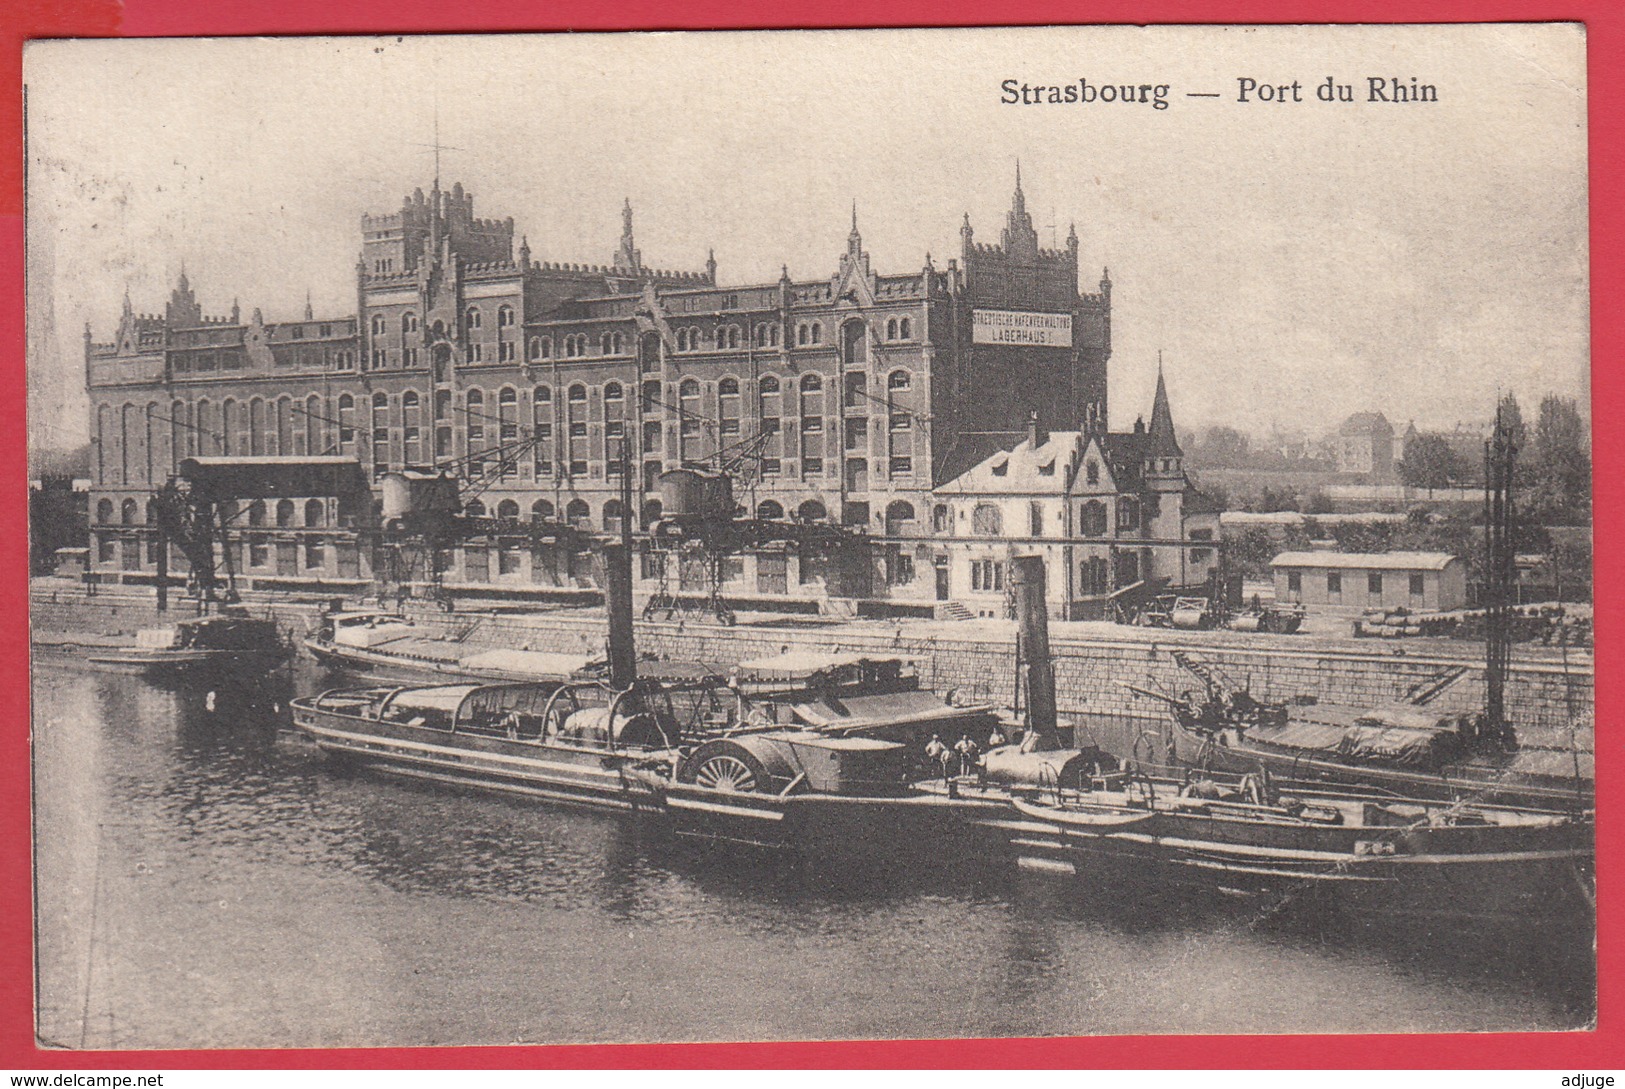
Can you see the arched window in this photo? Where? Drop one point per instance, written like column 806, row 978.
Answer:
column 689, row 389
column 128, row 511
column 578, row 514
column 409, row 323
column 346, row 424
column 612, row 516
column 613, row 392
column 903, row 331
column 315, row 442
column 891, row 329
column 284, row 513
column 761, row 335
column 1128, row 512
column 769, row 510
column 378, row 325
column 256, row 514
column 256, row 427
column 284, row 425
column 606, row 343
column 508, row 508
column 578, row 393
column 504, row 316
column 508, row 428
column 682, row 340
column 474, row 509
column 940, row 518
column 728, row 410
column 855, row 342
column 542, row 511
column 899, row 518
column 474, row 423
column 986, row 520
column 768, row 384
column 104, row 511
column 899, row 380
column 801, row 335
column 811, row 511
column 818, row 332
column 208, row 429
column 411, row 428
column 652, row 510
column 179, row 434
column 471, row 319
column 315, row 513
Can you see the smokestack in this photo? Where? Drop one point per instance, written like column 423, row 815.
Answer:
column 623, row 669
column 1032, row 635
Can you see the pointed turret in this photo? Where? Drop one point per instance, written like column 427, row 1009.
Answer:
column 236, row 313
column 711, row 266
column 854, row 240
column 524, row 251
column 627, row 255
column 1019, row 239
column 310, row 315
column 1163, row 442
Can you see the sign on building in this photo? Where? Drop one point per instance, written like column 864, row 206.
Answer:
column 1021, row 327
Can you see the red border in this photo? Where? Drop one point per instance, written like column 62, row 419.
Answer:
column 1605, row 19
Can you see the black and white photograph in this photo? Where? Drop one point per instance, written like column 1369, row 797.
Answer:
column 810, row 535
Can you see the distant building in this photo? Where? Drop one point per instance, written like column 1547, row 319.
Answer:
column 1105, row 509
column 1425, row 581
column 1365, row 446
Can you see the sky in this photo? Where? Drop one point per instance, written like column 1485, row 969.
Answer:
column 1292, row 262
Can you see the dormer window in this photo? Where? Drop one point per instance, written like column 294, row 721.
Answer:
column 1001, row 468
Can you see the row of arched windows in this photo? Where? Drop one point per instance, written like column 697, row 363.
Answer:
column 143, row 444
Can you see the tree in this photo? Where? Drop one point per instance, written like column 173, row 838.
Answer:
column 1431, row 462
column 1224, row 447
column 1559, row 459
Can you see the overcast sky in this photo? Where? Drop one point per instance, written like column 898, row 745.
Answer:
column 1294, row 262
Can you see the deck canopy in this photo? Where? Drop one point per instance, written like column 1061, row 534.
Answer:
column 216, row 479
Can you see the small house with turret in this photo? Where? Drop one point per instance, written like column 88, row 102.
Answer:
column 1109, row 511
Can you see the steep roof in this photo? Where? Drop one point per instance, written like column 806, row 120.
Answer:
column 1023, row 469
column 1163, row 442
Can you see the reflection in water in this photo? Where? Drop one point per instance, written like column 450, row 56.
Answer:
column 207, row 879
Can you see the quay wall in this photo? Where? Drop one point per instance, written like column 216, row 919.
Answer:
column 1546, row 697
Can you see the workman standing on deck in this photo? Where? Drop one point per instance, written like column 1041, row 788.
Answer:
column 937, row 753
column 968, row 751
column 996, row 738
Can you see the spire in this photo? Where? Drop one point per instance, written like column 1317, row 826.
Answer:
column 854, row 241
column 627, row 255
column 236, row 313
column 184, row 284
column 1019, row 239
column 1072, row 237
column 711, row 266
column 524, row 251
column 1164, row 443
column 310, row 315
column 127, row 306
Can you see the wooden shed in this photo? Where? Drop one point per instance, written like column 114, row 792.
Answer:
column 1423, row 581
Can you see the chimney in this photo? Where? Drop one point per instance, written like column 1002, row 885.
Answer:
column 1037, row 435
